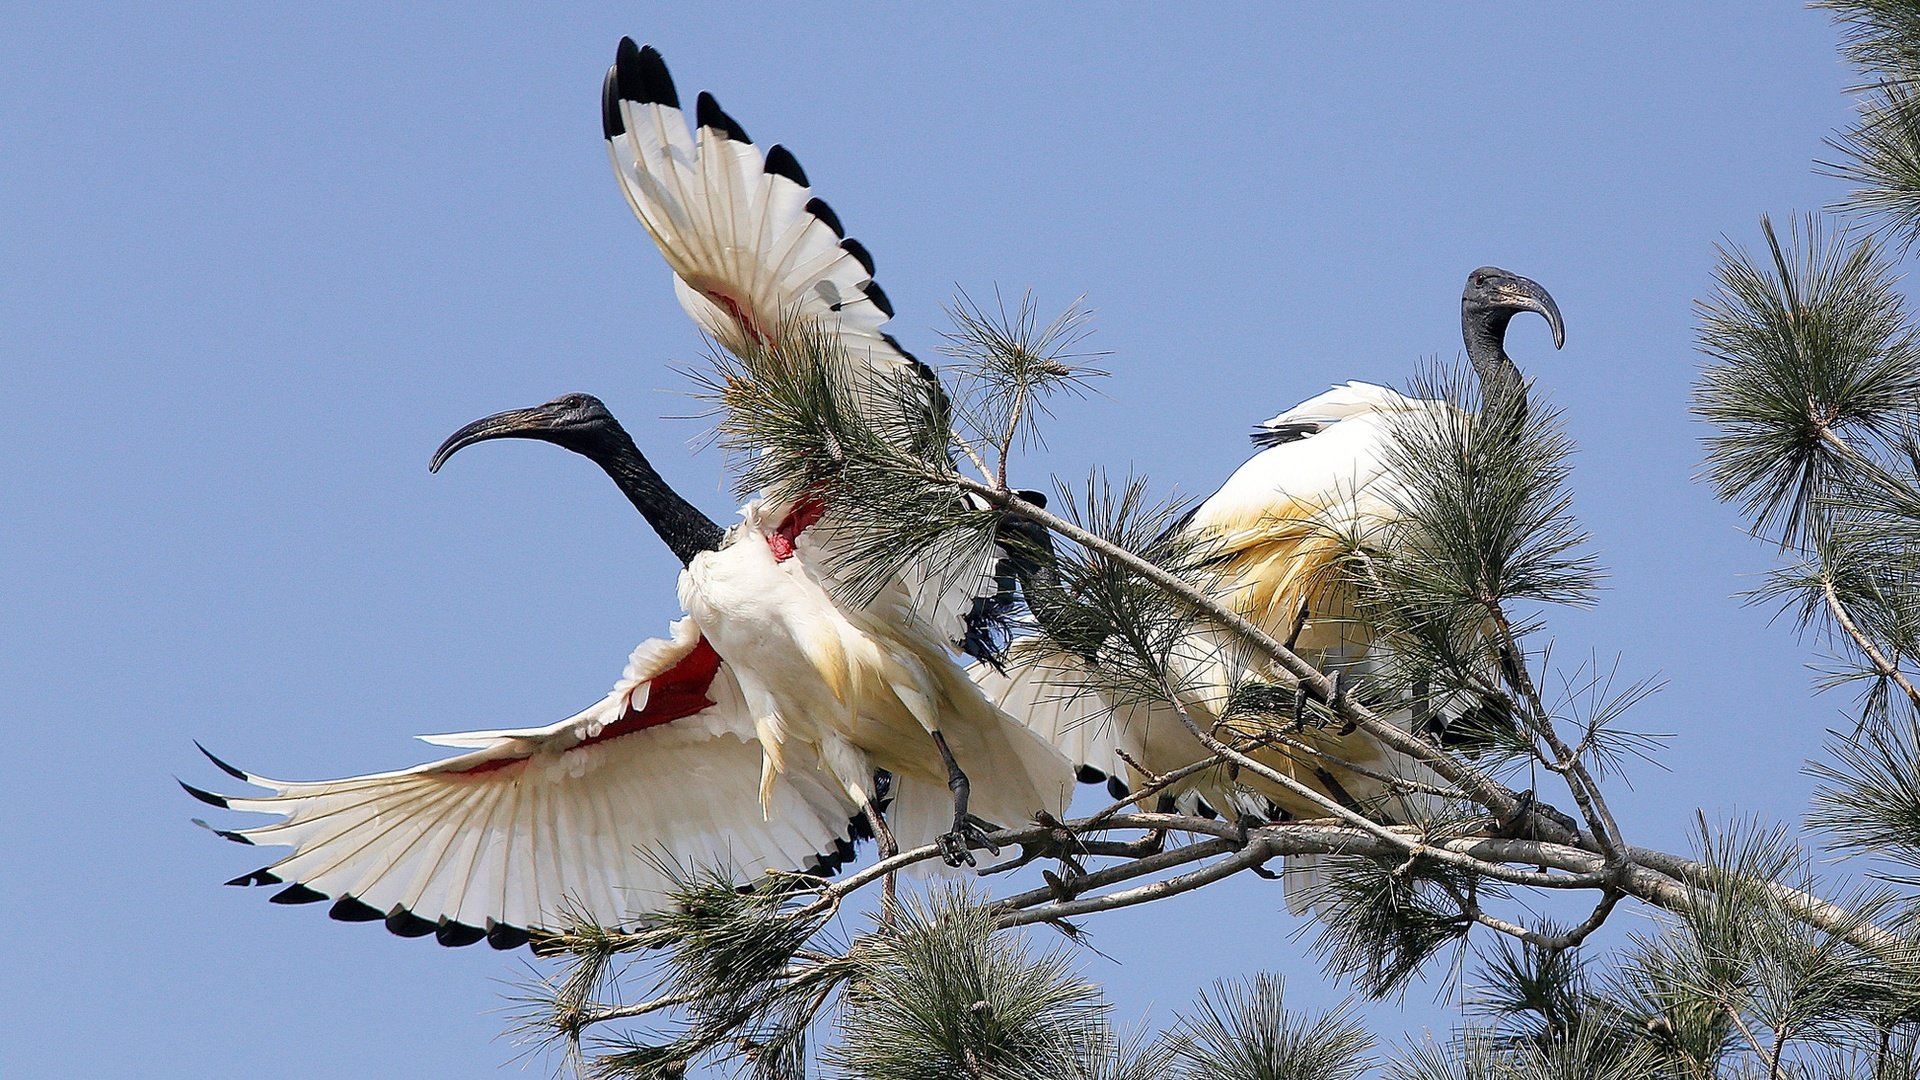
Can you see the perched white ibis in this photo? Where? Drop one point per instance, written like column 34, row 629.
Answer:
column 752, row 737
column 1270, row 537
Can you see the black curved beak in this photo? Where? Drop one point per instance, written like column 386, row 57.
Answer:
column 1526, row 294
column 533, row 423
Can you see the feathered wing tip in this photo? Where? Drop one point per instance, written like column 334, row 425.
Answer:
column 750, row 246
column 533, row 826
column 1054, row 696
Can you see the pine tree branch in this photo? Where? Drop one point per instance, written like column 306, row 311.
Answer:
column 1585, row 790
column 1805, row 906
column 972, row 455
column 1655, row 877
column 1392, row 782
column 1248, row 857
column 1886, row 668
column 1553, row 942
column 628, row 1012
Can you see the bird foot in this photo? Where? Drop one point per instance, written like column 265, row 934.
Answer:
column 1530, row 813
column 968, row 831
column 1246, row 824
column 1060, row 843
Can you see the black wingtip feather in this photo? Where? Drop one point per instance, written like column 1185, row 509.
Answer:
column 262, row 876
column 221, row 765
column 920, row 368
column 406, row 924
column 611, row 125
column 642, row 75
column 819, row 208
column 707, row 113
column 1087, row 774
column 1117, row 787
column 297, row 893
column 354, row 909
column 781, row 162
column 1285, row 433
column 879, row 298
column 859, row 828
column 503, row 937
column 457, row 935
column 859, row 251
column 203, row 795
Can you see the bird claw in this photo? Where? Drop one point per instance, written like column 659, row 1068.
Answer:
column 967, row 833
column 1059, row 844
column 1528, row 810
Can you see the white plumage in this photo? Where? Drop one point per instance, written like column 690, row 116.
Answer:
column 1271, row 535
column 1270, row 541
column 750, row 247
column 753, row 252
column 750, row 738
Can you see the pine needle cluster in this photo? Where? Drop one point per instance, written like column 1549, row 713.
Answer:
column 1880, row 152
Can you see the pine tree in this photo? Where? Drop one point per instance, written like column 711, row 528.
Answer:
column 1749, row 964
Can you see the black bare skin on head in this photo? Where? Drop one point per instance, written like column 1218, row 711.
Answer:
column 582, row 424
column 1490, row 301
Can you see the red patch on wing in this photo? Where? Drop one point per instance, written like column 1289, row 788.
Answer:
column 804, row 513
column 679, row 691
column 740, row 314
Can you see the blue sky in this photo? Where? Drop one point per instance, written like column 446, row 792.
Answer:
column 258, row 265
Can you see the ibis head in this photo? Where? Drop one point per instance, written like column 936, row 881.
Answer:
column 1493, row 296
column 579, row 422
column 1490, row 301
column 582, row 424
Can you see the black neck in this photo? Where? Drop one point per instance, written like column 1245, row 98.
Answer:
column 686, row 530
column 1485, row 331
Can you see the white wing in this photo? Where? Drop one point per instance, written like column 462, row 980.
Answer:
column 750, row 247
column 1058, row 699
column 752, row 250
column 584, row 816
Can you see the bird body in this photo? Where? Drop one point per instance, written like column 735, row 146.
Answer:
column 1270, row 540
column 1281, row 521
column 856, row 690
column 749, row 739
column 1270, row 544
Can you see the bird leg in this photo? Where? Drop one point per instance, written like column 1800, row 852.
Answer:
column 1336, row 699
column 966, row 828
column 1246, row 823
column 1299, row 624
column 1424, row 722
column 889, row 847
column 1300, row 707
